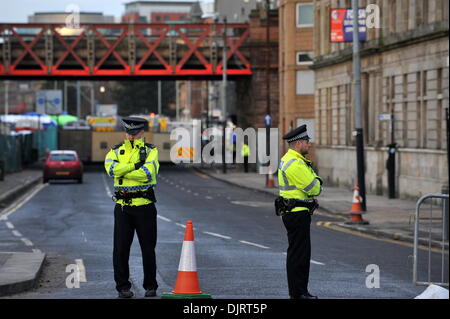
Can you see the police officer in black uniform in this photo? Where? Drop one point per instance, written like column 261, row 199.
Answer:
column 134, row 166
column 299, row 185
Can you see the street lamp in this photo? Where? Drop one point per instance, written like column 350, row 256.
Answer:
column 268, row 108
column 224, row 94
column 102, row 89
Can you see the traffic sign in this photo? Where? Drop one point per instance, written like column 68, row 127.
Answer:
column 384, row 117
column 267, row 120
column 49, row 101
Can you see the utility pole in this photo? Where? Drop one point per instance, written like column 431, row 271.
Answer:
column 78, row 99
column 65, row 96
column 268, row 110
column 177, row 99
column 159, row 99
column 358, row 109
column 6, row 97
column 224, row 94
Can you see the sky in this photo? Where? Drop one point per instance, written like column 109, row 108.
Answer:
column 19, row 10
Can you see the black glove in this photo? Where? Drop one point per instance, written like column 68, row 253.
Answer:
column 320, row 180
column 142, row 158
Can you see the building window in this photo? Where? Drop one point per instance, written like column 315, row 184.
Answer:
column 305, row 15
column 305, row 82
column 310, row 126
column 305, row 58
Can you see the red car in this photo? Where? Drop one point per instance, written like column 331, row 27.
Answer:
column 63, row 165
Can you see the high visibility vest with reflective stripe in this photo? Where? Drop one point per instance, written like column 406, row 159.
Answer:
column 296, row 178
column 245, row 150
column 119, row 164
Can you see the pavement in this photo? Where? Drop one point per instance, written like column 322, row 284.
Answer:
column 19, row 271
column 387, row 218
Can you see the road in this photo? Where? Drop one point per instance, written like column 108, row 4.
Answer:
column 240, row 243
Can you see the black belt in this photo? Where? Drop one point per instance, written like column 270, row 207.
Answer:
column 128, row 196
column 284, row 206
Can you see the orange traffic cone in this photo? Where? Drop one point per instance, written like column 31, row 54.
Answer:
column 356, row 213
column 187, row 285
column 270, row 182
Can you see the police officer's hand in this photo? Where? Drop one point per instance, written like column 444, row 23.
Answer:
column 320, row 180
column 138, row 165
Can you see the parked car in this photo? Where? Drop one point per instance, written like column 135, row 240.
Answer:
column 63, row 164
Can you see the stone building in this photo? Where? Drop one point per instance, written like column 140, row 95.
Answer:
column 404, row 74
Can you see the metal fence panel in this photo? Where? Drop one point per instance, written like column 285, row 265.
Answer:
column 432, row 223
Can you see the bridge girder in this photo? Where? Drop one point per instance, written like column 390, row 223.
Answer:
column 123, row 50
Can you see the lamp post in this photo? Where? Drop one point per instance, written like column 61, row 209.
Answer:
column 358, row 110
column 268, row 108
column 224, row 95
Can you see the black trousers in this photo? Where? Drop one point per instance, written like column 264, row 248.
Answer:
column 246, row 164
column 127, row 220
column 299, row 252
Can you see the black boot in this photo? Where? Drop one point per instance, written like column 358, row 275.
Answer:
column 307, row 296
column 150, row 293
column 126, row 293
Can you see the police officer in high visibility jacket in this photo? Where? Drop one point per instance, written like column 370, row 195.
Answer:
column 245, row 153
column 134, row 166
column 298, row 186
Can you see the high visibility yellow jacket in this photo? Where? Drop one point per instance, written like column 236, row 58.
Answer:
column 297, row 179
column 245, row 150
column 120, row 164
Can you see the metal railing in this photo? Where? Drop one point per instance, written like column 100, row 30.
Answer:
column 443, row 246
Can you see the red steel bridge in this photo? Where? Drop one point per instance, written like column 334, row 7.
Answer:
column 123, row 51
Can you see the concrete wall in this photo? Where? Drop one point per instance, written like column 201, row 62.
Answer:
column 419, row 172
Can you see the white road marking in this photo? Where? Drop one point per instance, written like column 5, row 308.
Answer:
column 208, row 197
column 9, row 225
column 81, row 270
column 108, row 192
column 8, row 211
column 164, row 218
column 253, row 244
column 216, row 235
column 181, row 225
column 84, row 237
column 36, row 250
column 27, row 242
column 16, row 233
column 195, row 194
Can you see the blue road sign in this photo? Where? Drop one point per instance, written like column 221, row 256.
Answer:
column 267, row 120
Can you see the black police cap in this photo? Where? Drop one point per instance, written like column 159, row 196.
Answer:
column 300, row 133
column 133, row 125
